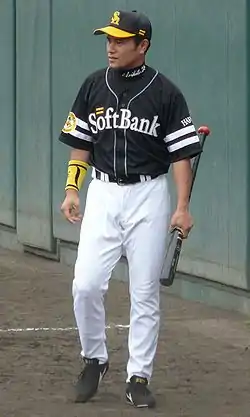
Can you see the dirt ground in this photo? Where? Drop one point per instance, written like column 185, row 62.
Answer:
column 201, row 368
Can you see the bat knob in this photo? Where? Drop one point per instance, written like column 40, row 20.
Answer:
column 204, row 130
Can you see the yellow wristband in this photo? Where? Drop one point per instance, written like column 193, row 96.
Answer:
column 77, row 171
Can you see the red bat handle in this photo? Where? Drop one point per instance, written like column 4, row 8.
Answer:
column 204, row 130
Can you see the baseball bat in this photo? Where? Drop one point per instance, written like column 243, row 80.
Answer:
column 176, row 238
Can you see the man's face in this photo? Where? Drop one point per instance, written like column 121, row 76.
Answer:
column 124, row 53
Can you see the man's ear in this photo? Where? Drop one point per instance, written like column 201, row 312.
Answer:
column 144, row 45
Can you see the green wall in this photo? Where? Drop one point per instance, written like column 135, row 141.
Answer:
column 7, row 115
column 48, row 49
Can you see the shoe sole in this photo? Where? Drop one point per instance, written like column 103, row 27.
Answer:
column 130, row 402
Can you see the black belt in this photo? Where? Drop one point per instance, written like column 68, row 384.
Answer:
column 131, row 179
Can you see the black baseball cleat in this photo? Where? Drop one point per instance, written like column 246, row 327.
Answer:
column 138, row 394
column 89, row 379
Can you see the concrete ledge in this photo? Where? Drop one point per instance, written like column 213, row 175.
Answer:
column 220, row 273
column 68, row 253
column 8, row 239
column 210, row 292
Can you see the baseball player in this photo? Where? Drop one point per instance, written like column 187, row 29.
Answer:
column 129, row 123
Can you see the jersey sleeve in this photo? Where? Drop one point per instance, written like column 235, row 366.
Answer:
column 181, row 139
column 76, row 132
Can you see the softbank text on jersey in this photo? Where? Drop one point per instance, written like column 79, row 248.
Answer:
column 123, row 120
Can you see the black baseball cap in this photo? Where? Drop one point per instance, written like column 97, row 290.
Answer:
column 126, row 25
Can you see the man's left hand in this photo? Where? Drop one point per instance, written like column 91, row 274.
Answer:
column 183, row 221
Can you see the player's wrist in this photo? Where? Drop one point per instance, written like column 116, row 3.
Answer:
column 71, row 192
column 182, row 207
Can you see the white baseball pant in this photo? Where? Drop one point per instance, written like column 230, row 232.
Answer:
column 130, row 219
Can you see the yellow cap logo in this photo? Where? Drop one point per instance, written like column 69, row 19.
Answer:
column 115, row 20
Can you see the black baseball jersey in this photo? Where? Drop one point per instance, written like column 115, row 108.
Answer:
column 134, row 122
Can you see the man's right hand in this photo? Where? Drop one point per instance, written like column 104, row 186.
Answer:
column 71, row 206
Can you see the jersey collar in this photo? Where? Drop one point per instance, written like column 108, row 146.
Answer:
column 133, row 72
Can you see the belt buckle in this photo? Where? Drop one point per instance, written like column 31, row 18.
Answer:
column 120, row 181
